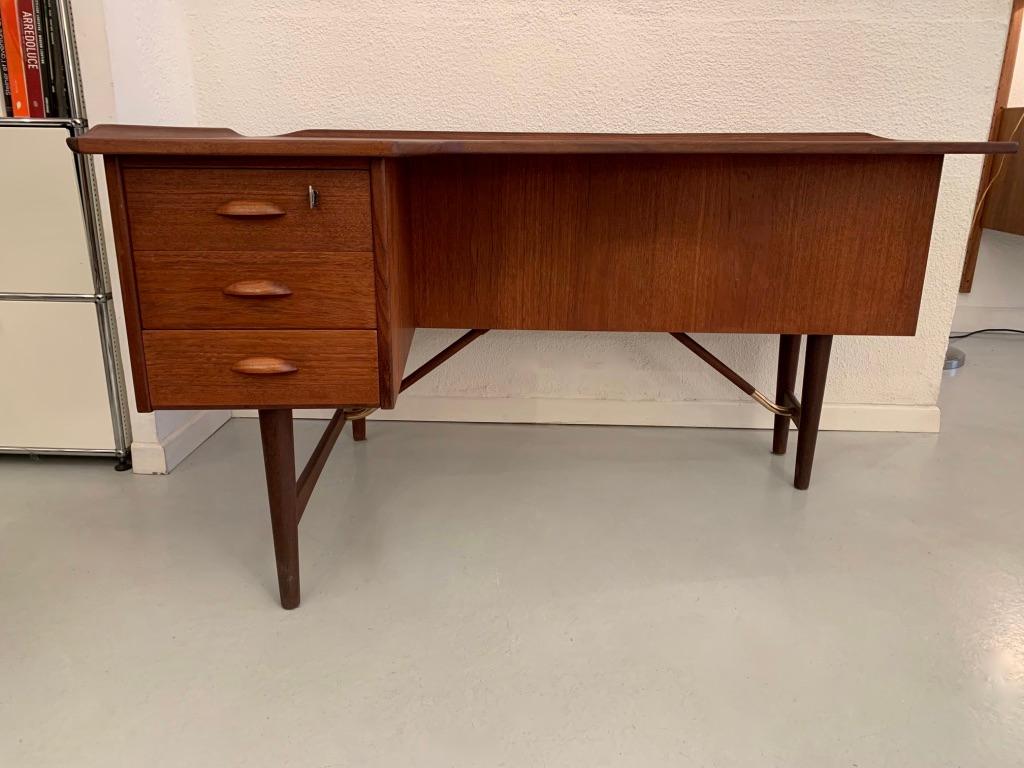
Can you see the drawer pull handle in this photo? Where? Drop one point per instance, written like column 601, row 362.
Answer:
column 257, row 289
column 264, row 366
column 250, row 209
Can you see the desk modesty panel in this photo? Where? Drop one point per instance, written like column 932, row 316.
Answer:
column 292, row 271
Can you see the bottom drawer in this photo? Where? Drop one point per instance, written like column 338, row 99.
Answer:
column 261, row 369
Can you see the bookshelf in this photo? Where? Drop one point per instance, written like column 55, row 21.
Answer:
column 64, row 391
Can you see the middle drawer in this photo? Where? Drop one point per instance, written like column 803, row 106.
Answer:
column 225, row 289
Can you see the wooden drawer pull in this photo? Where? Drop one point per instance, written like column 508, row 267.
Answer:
column 250, row 209
column 264, row 366
column 255, row 289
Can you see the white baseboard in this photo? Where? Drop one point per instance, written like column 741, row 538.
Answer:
column 686, row 413
column 968, row 318
column 160, row 458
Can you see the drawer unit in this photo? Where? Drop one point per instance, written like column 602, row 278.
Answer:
column 248, row 209
column 261, row 369
column 186, row 289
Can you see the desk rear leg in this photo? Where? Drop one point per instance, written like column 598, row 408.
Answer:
column 811, row 398
column 279, row 462
column 789, row 359
column 359, row 429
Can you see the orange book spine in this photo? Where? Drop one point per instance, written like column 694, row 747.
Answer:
column 15, row 65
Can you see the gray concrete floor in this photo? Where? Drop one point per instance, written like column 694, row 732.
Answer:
column 486, row 595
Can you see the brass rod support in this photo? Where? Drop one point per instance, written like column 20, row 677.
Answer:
column 354, row 414
column 445, row 354
column 745, row 386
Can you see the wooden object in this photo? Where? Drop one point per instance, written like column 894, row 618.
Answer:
column 988, row 167
column 200, row 369
column 812, row 397
column 393, row 275
column 255, row 289
column 307, row 480
column 249, row 209
column 789, row 360
column 277, row 433
column 195, row 209
column 292, row 271
column 359, row 430
column 129, row 287
column 222, row 142
column 1004, row 206
column 662, row 243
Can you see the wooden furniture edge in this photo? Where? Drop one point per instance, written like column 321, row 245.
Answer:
column 395, row 327
column 129, row 288
column 144, row 140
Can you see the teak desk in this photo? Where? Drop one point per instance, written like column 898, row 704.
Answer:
column 292, row 271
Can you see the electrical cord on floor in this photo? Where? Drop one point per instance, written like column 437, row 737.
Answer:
column 985, row 330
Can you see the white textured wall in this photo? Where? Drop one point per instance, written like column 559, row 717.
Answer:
column 911, row 69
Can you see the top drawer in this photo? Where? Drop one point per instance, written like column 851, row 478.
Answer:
column 226, row 209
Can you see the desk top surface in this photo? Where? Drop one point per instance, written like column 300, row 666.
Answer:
column 155, row 140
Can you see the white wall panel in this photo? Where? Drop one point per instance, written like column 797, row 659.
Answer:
column 43, row 248
column 52, row 388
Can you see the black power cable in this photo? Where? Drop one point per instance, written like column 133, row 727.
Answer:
column 986, row 330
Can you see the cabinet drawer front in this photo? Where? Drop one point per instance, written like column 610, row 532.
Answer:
column 183, row 289
column 261, row 369
column 252, row 209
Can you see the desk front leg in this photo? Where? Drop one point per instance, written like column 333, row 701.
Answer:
column 811, row 398
column 279, row 460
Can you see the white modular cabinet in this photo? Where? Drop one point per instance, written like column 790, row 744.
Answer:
column 60, row 385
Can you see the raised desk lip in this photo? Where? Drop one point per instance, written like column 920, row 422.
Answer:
column 156, row 140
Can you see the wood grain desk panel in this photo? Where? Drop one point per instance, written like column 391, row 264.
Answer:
column 663, row 243
column 186, row 289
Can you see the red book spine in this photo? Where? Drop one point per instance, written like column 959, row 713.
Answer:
column 15, row 68
column 30, row 58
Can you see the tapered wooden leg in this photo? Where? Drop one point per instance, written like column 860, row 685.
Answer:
column 359, row 429
column 811, row 397
column 279, row 462
column 789, row 358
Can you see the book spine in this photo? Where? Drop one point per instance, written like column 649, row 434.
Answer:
column 39, row 22
column 58, row 72
column 15, row 67
column 30, row 58
column 5, row 80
